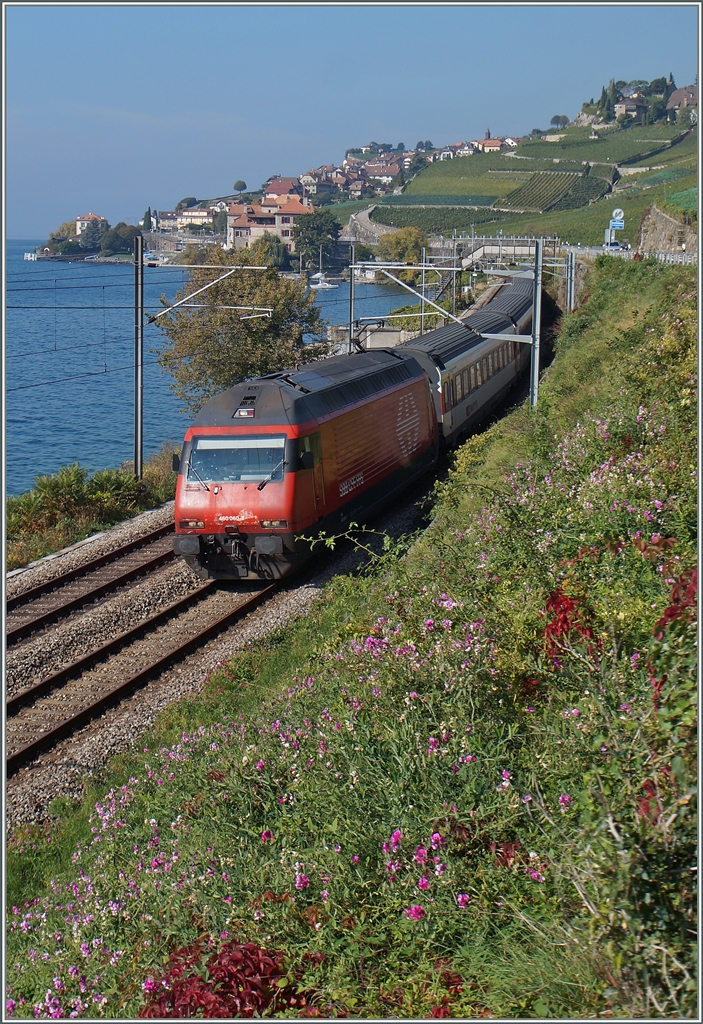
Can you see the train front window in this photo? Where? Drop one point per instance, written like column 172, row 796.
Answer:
column 225, row 460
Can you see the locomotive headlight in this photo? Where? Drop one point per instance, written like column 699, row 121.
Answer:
column 274, row 524
column 191, row 524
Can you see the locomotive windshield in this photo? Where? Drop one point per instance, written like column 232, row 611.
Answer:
column 223, row 460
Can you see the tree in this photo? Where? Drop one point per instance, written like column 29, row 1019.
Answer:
column 146, row 223
column 314, row 230
column 119, row 239
column 63, row 231
column 400, row 148
column 239, row 185
column 185, row 204
column 424, row 146
column 69, row 247
column 403, row 246
column 210, row 349
column 220, row 222
column 274, row 252
column 91, row 236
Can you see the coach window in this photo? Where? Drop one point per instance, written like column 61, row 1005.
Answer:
column 472, row 373
column 445, row 395
column 465, row 375
column 459, row 387
column 484, row 368
column 479, row 376
column 499, row 357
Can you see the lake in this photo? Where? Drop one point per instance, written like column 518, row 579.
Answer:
column 70, row 360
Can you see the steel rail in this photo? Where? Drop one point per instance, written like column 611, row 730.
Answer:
column 23, row 628
column 95, row 563
column 74, row 722
column 56, row 679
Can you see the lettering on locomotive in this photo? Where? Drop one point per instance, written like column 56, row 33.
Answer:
column 349, row 485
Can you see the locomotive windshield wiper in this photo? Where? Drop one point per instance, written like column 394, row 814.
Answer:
column 195, row 472
column 275, row 469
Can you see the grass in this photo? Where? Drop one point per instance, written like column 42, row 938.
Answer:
column 65, row 507
column 343, row 211
column 462, row 785
column 614, row 145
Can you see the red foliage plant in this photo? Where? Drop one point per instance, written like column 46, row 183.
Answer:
column 238, row 980
column 566, row 619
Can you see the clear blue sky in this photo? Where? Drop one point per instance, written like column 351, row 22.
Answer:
column 112, row 109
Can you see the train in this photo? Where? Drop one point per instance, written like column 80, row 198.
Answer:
column 274, row 462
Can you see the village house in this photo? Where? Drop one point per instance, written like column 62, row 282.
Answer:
column 248, row 222
column 193, row 217
column 167, row 220
column 90, row 218
column 630, row 108
column 680, row 99
column 278, row 186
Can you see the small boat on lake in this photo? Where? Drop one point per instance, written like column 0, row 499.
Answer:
column 320, row 277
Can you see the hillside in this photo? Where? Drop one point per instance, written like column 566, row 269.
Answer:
column 464, row 785
column 654, row 162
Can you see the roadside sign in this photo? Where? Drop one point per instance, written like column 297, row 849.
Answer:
column 618, row 214
column 617, row 225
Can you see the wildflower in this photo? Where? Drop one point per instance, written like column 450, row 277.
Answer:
column 395, row 839
column 337, row 848
column 440, row 869
column 325, row 895
column 438, row 841
column 302, row 881
column 565, row 802
column 527, row 798
column 423, row 883
column 355, row 859
column 414, row 913
column 266, row 835
column 149, row 985
column 463, row 899
column 421, row 855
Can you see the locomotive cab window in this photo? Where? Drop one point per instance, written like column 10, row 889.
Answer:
column 236, row 459
column 309, row 451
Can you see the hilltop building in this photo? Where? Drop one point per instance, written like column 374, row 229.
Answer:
column 246, row 222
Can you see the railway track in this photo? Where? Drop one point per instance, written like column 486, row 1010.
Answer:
column 42, row 605
column 59, row 704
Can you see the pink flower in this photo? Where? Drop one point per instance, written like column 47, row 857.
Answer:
column 565, row 802
column 395, row 839
column 440, row 869
column 415, row 913
column 423, row 883
column 266, row 835
column 463, row 899
column 355, row 859
column 337, row 849
column 302, row 881
column 438, row 841
column 149, row 985
column 421, row 855
column 325, row 895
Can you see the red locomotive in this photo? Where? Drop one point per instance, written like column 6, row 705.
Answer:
column 297, row 453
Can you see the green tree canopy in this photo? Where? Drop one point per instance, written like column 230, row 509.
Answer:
column 239, row 185
column 403, row 246
column 119, row 239
column 185, row 204
column 210, row 349
column 146, row 223
column 91, row 236
column 275, row 253
column 320, row 228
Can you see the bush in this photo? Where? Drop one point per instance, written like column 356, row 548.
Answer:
column 64, row 507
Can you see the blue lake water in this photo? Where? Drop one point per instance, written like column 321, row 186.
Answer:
column 70, row 361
